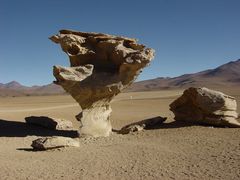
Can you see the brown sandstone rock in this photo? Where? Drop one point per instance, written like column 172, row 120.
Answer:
column 205, row 106
column 102, row 66
column 53, row 143
column 49, row 123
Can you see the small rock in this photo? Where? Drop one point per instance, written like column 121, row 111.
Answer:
column 46, row 143
column 50, row 123
column 152, row 123
column 144, row 124
column 132, row 128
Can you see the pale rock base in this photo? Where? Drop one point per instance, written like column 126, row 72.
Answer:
column 95, row 121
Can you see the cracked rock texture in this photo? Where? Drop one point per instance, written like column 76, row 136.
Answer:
column 102, row 66
column 205, row 106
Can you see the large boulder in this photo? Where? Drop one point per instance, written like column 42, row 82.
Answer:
column 46, row 143
column 205, row 106
column 49, row 122
column 102, row 66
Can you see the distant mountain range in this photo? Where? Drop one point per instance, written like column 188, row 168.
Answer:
column 14, row 88
column 227, row 75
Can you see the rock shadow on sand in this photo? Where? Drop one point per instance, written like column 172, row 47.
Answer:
column 151, row 124
column 21, row 129
column 159, row 123
column 171, row 125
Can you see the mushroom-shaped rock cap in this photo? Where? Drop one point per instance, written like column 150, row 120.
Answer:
column 102, row 66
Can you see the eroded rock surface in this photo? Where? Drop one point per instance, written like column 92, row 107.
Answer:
column 53, row 143
column 102, row 66
column 49, row 122
column 205, row 106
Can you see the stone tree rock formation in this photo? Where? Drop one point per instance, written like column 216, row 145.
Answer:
column 205, row 106
column 102, row 66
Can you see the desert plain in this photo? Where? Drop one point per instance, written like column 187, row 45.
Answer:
column 173, row 150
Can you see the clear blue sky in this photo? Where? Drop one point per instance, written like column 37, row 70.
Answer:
column 188, row 35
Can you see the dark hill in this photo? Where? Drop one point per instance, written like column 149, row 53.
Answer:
column 226, row 75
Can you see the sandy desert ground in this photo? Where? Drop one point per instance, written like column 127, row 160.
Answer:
column 172, row 151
